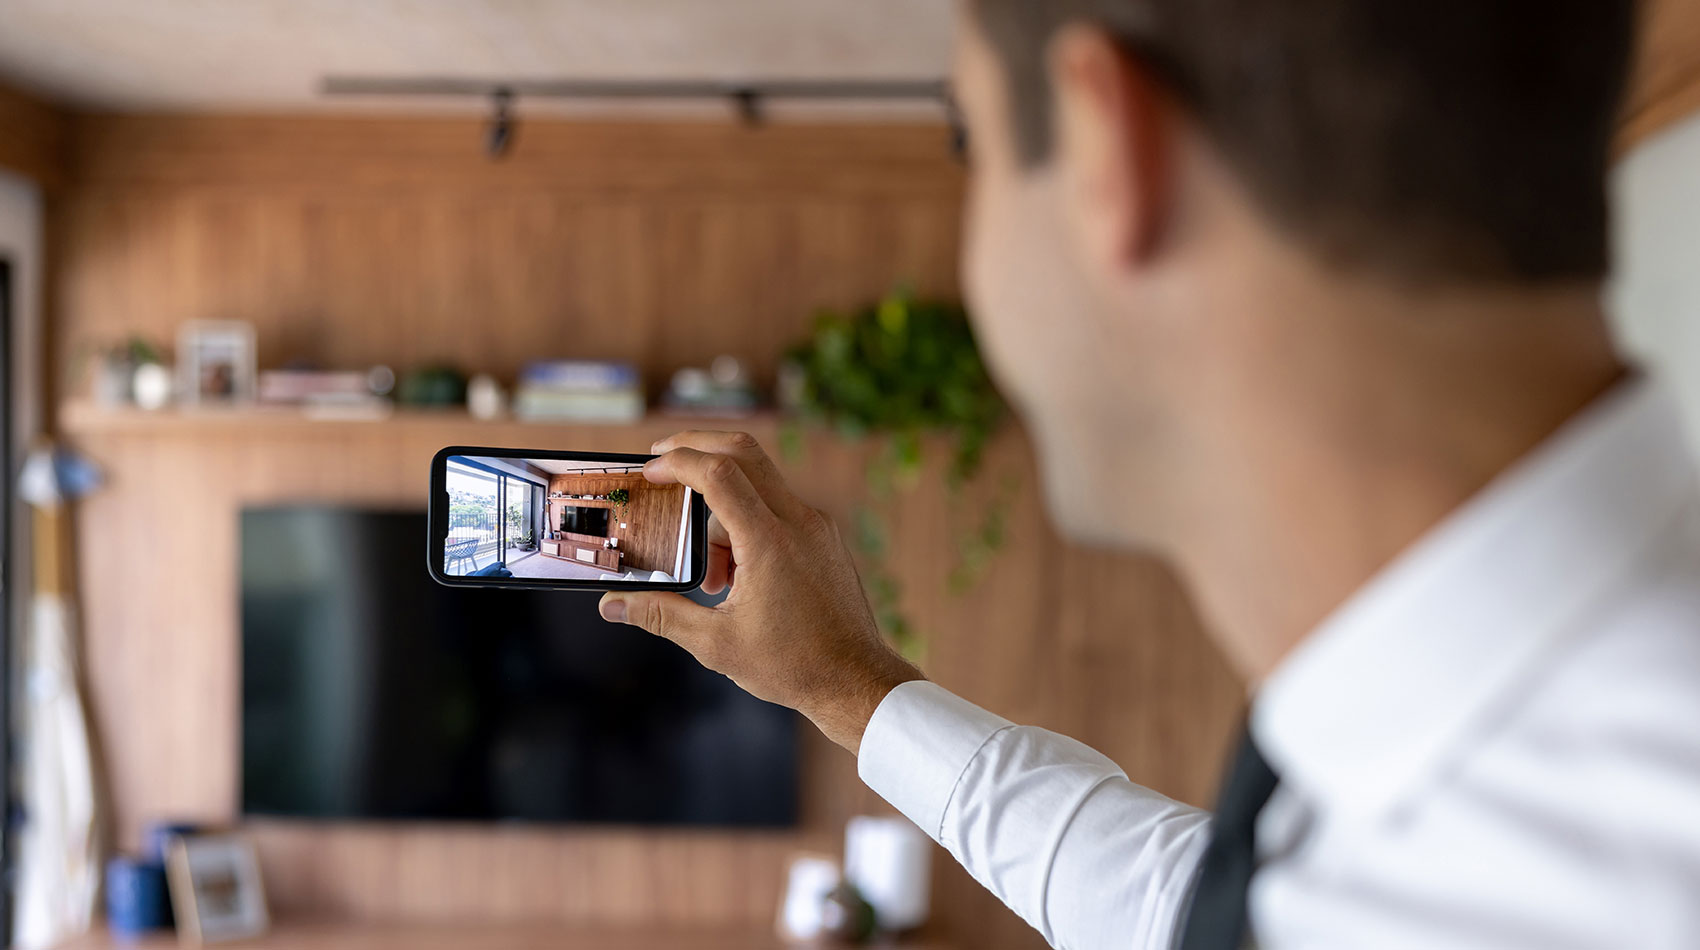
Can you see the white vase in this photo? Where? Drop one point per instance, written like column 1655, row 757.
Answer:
column 889, row 861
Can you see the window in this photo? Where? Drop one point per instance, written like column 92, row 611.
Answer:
column 492, row 515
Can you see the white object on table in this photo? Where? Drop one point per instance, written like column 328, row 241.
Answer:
column 485, row 398
column 889, row 861
column 151, row 385
column 811, row 878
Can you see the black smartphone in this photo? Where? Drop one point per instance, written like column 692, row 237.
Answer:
column 561, row 521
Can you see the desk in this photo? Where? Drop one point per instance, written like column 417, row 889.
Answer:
column 344, row 936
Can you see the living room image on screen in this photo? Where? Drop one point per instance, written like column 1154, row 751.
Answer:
column 555, row 519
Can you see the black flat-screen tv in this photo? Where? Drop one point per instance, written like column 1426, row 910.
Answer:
column 370, row 692
column 580, row 519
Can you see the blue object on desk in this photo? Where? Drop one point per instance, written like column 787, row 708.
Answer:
column 137, row 900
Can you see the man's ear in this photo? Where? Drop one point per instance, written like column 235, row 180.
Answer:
column 1113, row 148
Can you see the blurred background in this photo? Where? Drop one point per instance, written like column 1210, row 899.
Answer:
column 260, row 260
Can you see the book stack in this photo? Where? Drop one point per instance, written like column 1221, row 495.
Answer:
column 579, row 391
column 329, row 395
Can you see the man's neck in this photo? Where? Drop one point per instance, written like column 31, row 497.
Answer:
column 1359, row 420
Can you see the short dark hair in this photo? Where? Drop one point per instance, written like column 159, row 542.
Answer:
column 1451, row 140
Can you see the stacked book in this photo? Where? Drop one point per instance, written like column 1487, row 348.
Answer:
column 579, row 391
column 328, row 395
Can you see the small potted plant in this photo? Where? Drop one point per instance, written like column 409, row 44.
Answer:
column 621, row 497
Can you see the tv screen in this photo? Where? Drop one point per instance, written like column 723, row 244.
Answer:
column 577, row 519
column 368, row 691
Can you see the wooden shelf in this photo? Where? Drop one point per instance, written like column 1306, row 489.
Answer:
column 296, row 936
column 84, row 418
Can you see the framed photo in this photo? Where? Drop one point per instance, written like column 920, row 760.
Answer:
column 215, row 362
column 216, row 892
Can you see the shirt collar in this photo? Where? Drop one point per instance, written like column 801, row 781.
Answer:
column 1411, row 666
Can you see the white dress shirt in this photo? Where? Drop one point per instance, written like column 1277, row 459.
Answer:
column 1495, row 743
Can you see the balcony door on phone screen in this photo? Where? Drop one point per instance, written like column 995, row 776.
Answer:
column 494, row 517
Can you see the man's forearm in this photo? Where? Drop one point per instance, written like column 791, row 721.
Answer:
column 1051, row 827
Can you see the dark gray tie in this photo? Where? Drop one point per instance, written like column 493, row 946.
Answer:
column 1217, row 918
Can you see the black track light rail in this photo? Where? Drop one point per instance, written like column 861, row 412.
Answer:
column 935, row 90
column 748, row 98
column 614, row 470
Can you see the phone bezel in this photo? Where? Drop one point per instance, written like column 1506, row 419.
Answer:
column 435, row 537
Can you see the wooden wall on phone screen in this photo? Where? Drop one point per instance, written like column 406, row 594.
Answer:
column 362, row 241
column 651, row 533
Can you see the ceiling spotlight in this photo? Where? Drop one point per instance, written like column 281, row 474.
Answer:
column 958, row 128
column 499, row 136
column 748, row 102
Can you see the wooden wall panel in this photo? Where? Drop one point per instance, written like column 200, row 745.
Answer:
column 32, row 138
column 1666, row 82
column 1096, row 645
column 651, row 535
column 353, row 242
column 356, row 243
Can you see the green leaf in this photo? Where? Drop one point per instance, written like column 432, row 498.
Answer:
column 900, row 369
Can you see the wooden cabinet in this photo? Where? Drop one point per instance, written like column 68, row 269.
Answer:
column 583, row 549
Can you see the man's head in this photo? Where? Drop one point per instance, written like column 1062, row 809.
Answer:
column 1131, row 154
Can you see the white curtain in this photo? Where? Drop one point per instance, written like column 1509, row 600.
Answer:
column 59, row 847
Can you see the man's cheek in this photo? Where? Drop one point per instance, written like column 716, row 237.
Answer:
column 989, row 233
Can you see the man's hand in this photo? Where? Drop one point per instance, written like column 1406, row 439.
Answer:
column 796, row 629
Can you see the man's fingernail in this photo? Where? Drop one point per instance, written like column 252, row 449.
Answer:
column 614, row 611
column 654, row 447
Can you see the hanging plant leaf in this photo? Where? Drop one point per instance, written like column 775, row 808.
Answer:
column 898, row 370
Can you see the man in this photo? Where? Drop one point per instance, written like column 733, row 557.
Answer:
column 1302, row 294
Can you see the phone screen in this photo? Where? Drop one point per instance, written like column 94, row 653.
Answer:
column 561, row 520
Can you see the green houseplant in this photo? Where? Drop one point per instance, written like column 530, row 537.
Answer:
column 896, row 371
column 621, row 497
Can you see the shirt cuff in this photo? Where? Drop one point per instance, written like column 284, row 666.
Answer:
column 917, row 745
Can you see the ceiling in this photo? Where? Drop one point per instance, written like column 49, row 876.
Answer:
column 271, row 55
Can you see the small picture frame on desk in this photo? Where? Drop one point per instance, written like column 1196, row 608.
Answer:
column 215, row 363
column 216, row 893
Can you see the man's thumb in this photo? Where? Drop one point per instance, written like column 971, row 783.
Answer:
column 662, row 613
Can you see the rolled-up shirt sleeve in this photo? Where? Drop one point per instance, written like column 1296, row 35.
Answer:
column 1051, row 827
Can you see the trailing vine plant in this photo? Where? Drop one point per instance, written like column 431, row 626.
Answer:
column 898, row 371
column 621, row 497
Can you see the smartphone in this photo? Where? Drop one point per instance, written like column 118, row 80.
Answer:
column 561, row 521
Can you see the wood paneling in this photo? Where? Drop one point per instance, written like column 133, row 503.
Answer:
column 355, row 242
column 365, row 153
column 32, row 138
column 1097, row 645
column 360, row 242
column 1666, row 83
column 337, row 937
column 651, row 535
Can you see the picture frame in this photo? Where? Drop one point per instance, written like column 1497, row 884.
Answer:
column 216, row 363
column 216, row 890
